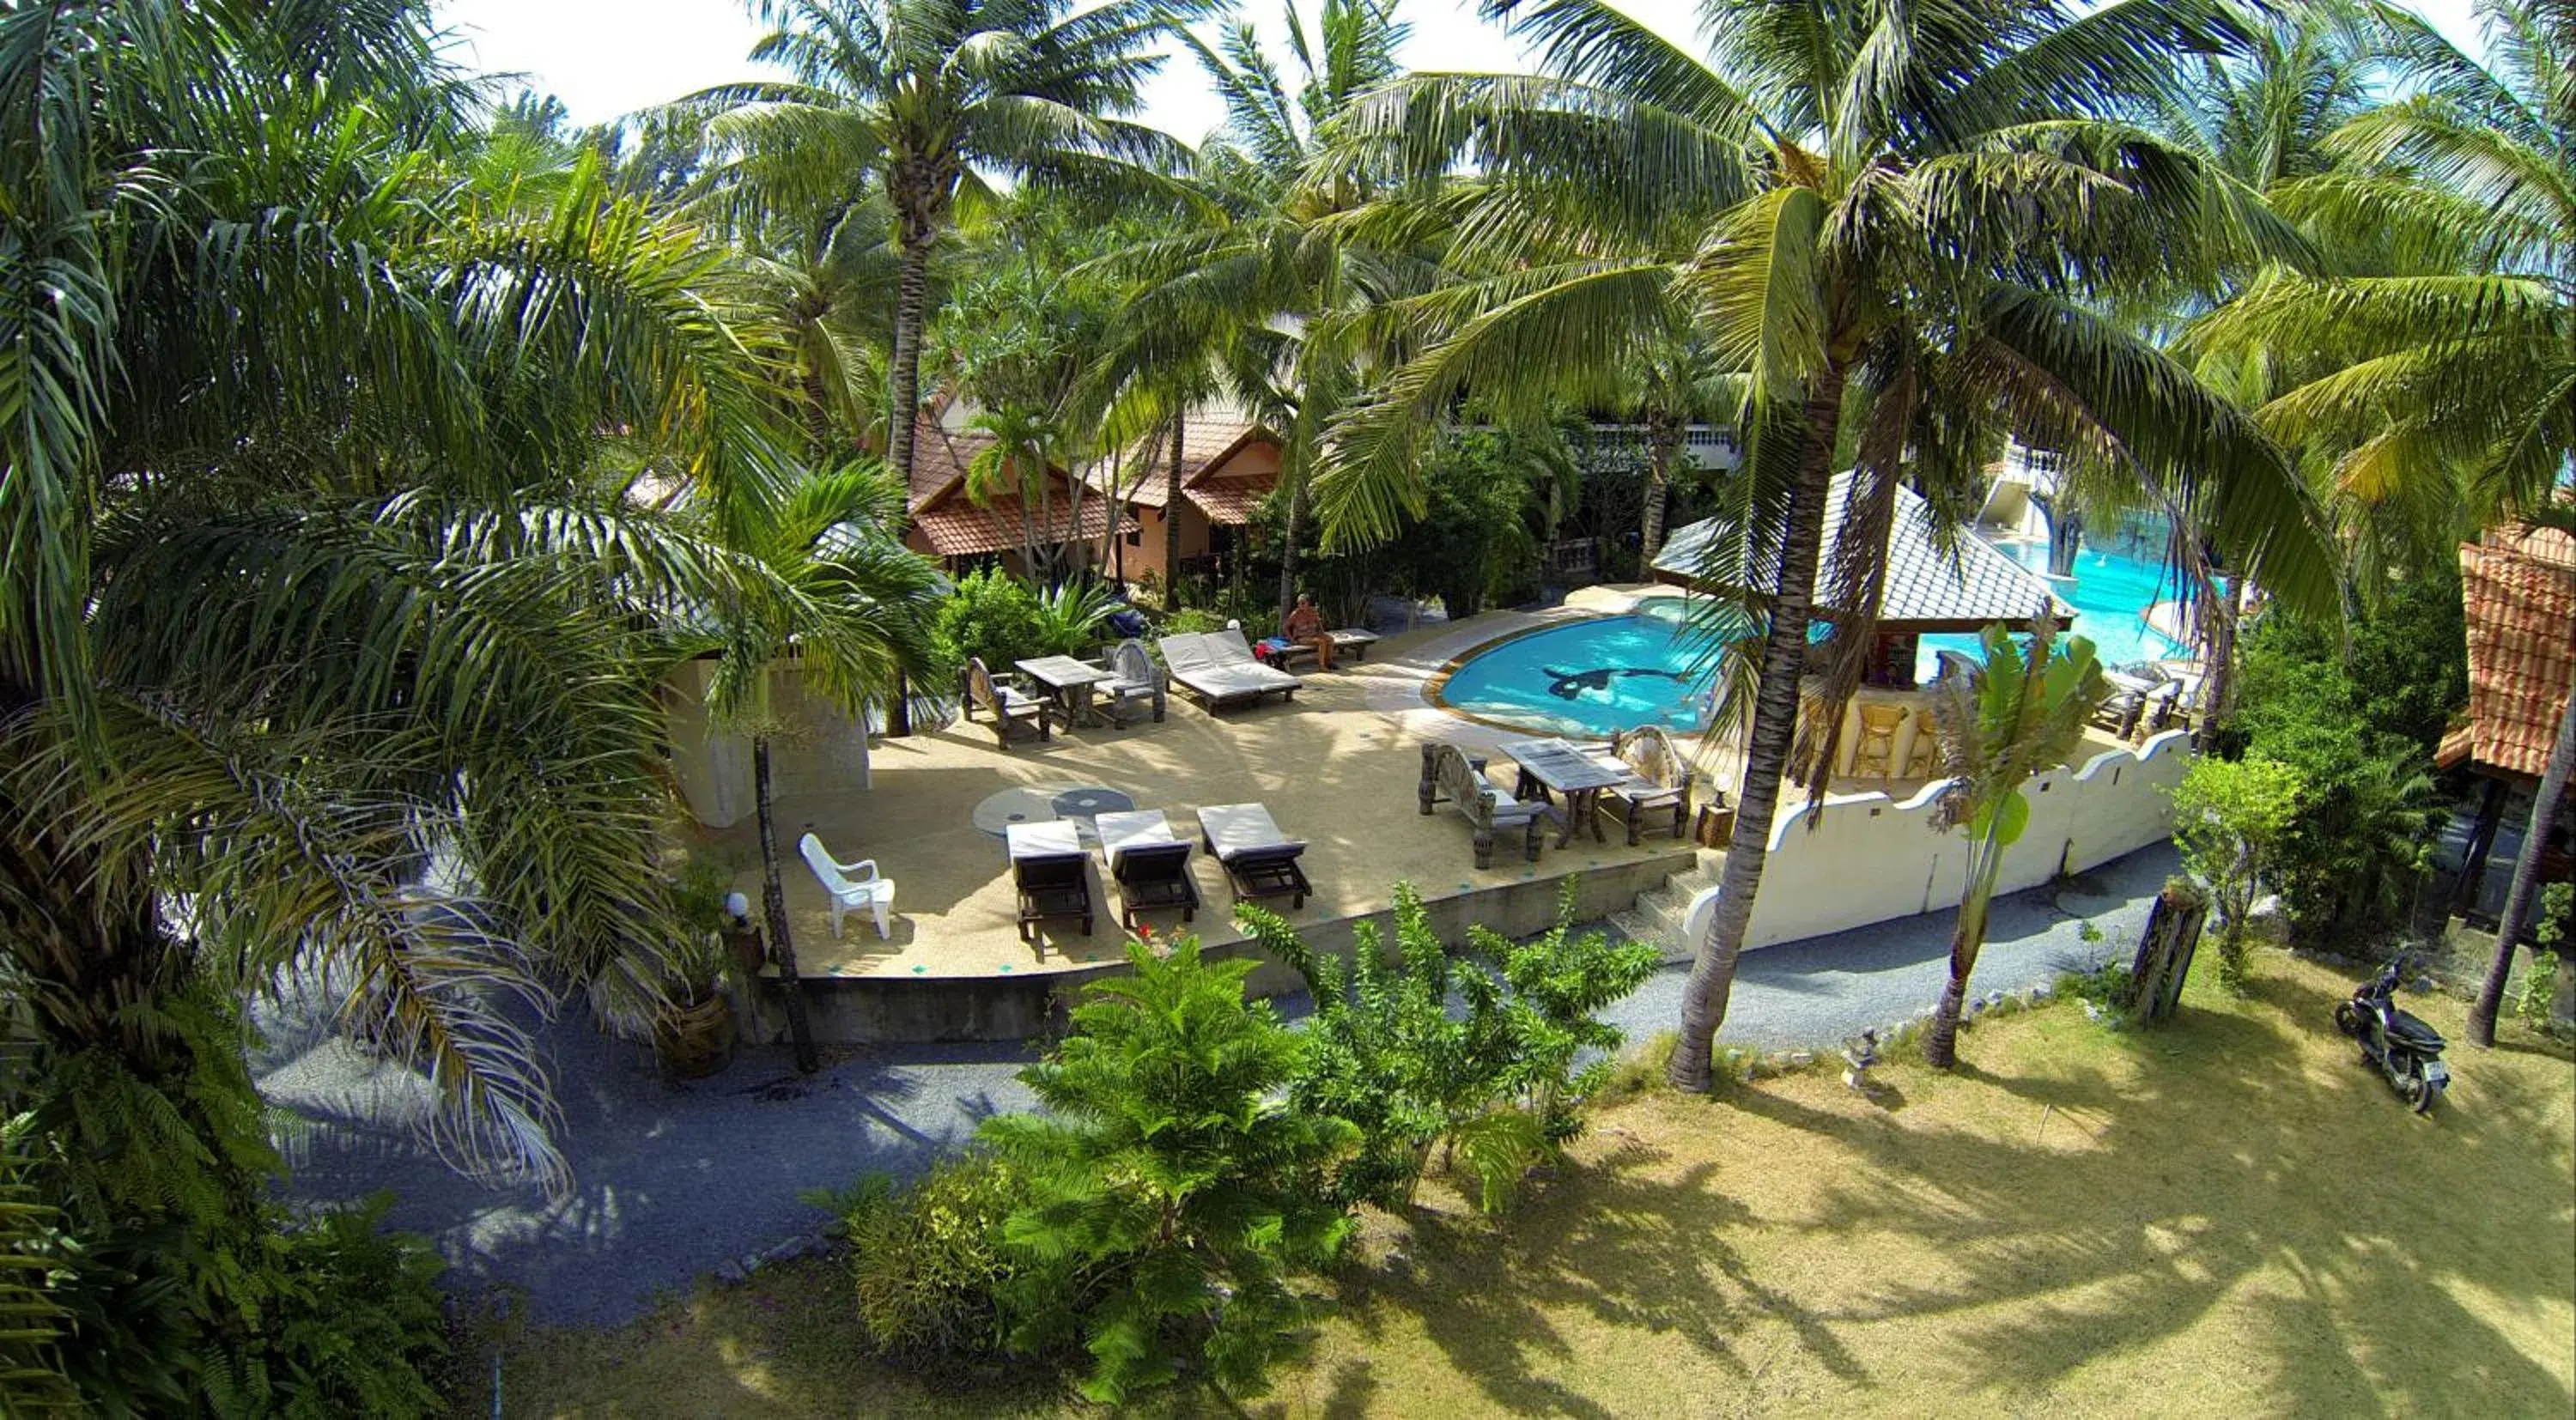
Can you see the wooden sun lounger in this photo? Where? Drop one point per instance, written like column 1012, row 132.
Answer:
column 1150, row 866
column 1258, row 859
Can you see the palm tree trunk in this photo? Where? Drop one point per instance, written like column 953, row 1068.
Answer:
column 2525, row 891
column 773, row 909
column 1766, row 751
column 1663, row 442
column 903, row 397
column 1288, row 549
column 1172, row 522
column 1941, row 1043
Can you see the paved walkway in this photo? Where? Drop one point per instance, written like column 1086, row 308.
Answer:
column 673, row 1183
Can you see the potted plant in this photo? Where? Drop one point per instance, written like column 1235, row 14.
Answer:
column 693, row 1033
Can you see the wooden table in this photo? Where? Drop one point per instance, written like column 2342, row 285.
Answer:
column 1070, row 682
column 1553, row 766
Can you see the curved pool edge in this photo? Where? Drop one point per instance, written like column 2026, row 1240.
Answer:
column 1438, row 680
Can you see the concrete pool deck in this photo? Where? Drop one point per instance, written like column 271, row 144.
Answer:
column 1337, row 767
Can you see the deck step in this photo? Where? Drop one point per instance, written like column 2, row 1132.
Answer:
column 1656, row 916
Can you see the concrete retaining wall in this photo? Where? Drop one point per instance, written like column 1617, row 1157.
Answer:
column 1869, row 858
column 862, row 1010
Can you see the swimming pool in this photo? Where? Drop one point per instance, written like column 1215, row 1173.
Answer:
column 1594, row 678
column 2109, row 596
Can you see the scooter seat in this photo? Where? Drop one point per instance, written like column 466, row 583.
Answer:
column 2412, row 1033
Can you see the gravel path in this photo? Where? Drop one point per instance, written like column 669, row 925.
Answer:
column 674, row 1183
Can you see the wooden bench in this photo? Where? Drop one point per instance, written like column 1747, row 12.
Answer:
column 1658, row 778
column 1450, row 777
column 1014, row 711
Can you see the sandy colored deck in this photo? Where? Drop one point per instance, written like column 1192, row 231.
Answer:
column 1335, row 768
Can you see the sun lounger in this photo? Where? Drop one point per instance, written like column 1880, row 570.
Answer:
column 1259, row 859
column 1218, row 668
column 1150, row 866
column 1351, row 643
column 1052, row 873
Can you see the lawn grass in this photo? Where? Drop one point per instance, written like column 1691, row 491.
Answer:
column 2223, row 1216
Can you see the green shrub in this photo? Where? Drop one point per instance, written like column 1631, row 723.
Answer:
column 928, row 1259
column 2539, row 991
column 1174, row 1187
column 2360, row 728
column 993, row 616
column 2230, row 821
column 1493, row 1086
column 352, row 1327
column 1191, row 621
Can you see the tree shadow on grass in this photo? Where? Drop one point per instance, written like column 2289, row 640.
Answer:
column 2176, row 1203
column 1632, row 1250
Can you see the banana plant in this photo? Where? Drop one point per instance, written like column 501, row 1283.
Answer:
column 1998, row 723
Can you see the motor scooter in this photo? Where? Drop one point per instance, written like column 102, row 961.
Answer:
column 2405, row 1049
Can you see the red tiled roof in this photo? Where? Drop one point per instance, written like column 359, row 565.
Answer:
column 1203, row 443
column 958, row 528
column 2521, row 608
column 1230, row 502
column 939, row 458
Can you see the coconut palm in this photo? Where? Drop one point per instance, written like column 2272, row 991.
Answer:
column 322, row 659
column 1893, row 219
column 927, row 100
column 2453, row 369
column 1258, row 281
column 2018, row 712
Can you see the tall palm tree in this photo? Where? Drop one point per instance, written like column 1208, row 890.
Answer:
column 2456, row 371
column 927, row 100
column 1263, row 277
column 1894, row 219
column 319, row 654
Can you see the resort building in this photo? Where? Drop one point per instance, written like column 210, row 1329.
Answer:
column 2519, row 594
column 1229, row 463
column 949, row 523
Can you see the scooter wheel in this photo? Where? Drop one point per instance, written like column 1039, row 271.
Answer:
column 2422, row 1095
column 2347, row 1019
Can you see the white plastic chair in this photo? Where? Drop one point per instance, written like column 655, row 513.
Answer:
column 847, row 892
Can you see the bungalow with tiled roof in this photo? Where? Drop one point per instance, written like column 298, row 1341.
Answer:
column 947, row 523
column 1228, row 465
column 2519, row 595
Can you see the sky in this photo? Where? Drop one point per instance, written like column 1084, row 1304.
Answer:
column 605, row 58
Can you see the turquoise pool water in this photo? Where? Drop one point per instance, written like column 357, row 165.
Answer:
column 2109, row 596
column 1594, row 678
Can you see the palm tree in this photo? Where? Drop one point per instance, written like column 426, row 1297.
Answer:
column 1893, row 219
column 1999, row 722
column 2456, row 372
column 1263, row 280
column 321, row 655
column 926, row 100
column 851, row 611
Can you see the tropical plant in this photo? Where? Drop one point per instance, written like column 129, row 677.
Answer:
column 1070, row 615
column 928, row 1260
column 2444, row 376
column 1894, row 220
column 1173, row 1191
column 1494, row 1085
column 927, row 101
column 2535, row 1003
column 2230, row 817
column 1264, row 281
column 852, row 606
column 2018, row 712
column 317, row 576
column 992, row 616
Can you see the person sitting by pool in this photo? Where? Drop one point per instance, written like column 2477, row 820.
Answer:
column 1306, row 628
